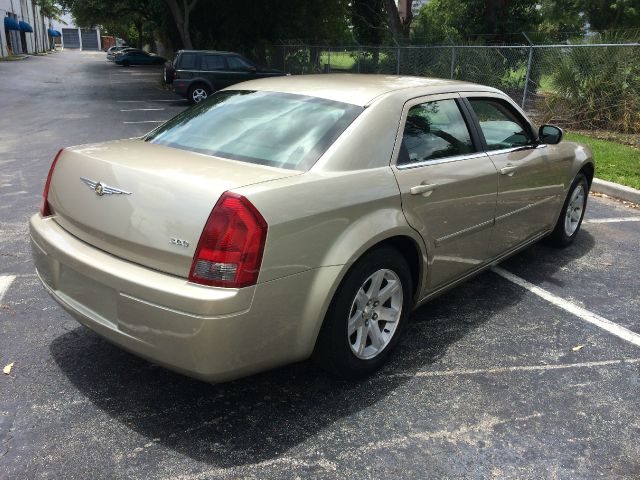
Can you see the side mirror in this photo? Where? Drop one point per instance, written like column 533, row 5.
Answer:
column 550, row 134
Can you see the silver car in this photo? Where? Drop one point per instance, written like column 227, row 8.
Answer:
column 297, row 217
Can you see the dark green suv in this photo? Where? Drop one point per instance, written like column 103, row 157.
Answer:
column 195, row 74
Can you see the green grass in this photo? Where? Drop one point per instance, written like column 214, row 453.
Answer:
column 341, row 60
column 614, row 162
column 545, row 84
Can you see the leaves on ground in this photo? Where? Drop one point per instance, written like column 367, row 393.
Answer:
column 7, row 369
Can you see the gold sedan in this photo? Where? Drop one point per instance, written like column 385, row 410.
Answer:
column 298, row 217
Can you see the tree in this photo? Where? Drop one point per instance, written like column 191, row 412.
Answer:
column 562, row 17
column 181, row 15
column 49, row 8
column 611, row 14
column 466, row 19
column 368, row 21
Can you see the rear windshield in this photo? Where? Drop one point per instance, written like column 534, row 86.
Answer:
column 275, row 129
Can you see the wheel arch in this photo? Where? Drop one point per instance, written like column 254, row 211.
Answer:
column 406, row 243
column 588, row 170
column 201, row 81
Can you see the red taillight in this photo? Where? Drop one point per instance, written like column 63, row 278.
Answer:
column 46, row 209
column 230, row 249
column 175, row 74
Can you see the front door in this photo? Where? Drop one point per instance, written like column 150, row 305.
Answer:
column 529, row 183
column 448, row 187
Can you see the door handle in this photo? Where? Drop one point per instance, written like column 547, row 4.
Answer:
column 423, row 188
column 508, row 169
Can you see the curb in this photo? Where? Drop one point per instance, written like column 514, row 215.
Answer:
column 616, row 190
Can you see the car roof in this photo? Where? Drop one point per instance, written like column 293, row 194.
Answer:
column 357, row 89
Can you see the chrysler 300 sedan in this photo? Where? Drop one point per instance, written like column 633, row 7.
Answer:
column 299, row 217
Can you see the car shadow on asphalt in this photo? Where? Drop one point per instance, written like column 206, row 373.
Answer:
column 262, row 417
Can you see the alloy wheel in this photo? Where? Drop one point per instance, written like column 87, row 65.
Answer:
column 574, row 210
column 199, row 94
column 375, row 313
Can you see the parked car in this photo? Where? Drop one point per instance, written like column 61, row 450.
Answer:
column 195, row 74
column 298, row 217
column 111, row 52
column 134, row 56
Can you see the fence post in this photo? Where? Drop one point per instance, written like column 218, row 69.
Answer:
column 359, row 56
column 526, row 78
column 284, row 58
column 453, row 56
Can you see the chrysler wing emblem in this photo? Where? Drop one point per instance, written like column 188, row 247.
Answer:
column 102, row 188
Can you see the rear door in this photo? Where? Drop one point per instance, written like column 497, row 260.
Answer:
column 214, row 69
column 448, row 185
column 529, row 184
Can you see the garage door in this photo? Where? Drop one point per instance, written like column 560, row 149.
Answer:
column 89, row 40
column 70, row 38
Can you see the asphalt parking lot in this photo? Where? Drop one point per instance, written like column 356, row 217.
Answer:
column 528, row 371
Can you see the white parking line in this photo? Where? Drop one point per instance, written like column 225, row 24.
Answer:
column 5, row 283
column 613, row 220
column 142, row 109
column 148, row 121
column 516, row 368
column 131, row 101
column 586, row 315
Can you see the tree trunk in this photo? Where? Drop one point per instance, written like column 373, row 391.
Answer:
column 400, row 27
column 181, row 17
column 138, row 26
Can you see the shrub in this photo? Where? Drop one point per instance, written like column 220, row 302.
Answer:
column 596, row 87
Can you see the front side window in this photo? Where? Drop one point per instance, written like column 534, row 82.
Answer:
column 434, row 130
column 188, row 61
column 268, row 128
column 212, row 62
column 501, row 127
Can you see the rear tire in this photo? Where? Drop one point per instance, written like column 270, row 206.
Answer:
column 570, row 220
column 198, row 93
column 367, row 315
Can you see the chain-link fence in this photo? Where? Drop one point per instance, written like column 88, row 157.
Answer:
column 585, row 85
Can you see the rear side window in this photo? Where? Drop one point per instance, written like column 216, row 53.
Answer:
column 267, row 128
column 434, row 130
column 500, row 125
column 188, row 61
column 212, row 62
column 238, row 63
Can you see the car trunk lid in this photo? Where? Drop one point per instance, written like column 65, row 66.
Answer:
column 144, row 202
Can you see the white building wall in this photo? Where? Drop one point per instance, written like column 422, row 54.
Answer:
column 31, row 42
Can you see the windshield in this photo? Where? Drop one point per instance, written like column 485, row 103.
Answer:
column 268, row 128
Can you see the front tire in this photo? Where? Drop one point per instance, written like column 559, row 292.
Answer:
column 367, row 315
column 570, row 220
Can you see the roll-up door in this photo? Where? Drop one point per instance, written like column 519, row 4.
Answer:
column 70, row 38
column 89, row 40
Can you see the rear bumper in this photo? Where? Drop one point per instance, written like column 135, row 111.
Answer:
column 214, row 334
column 181, row 87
